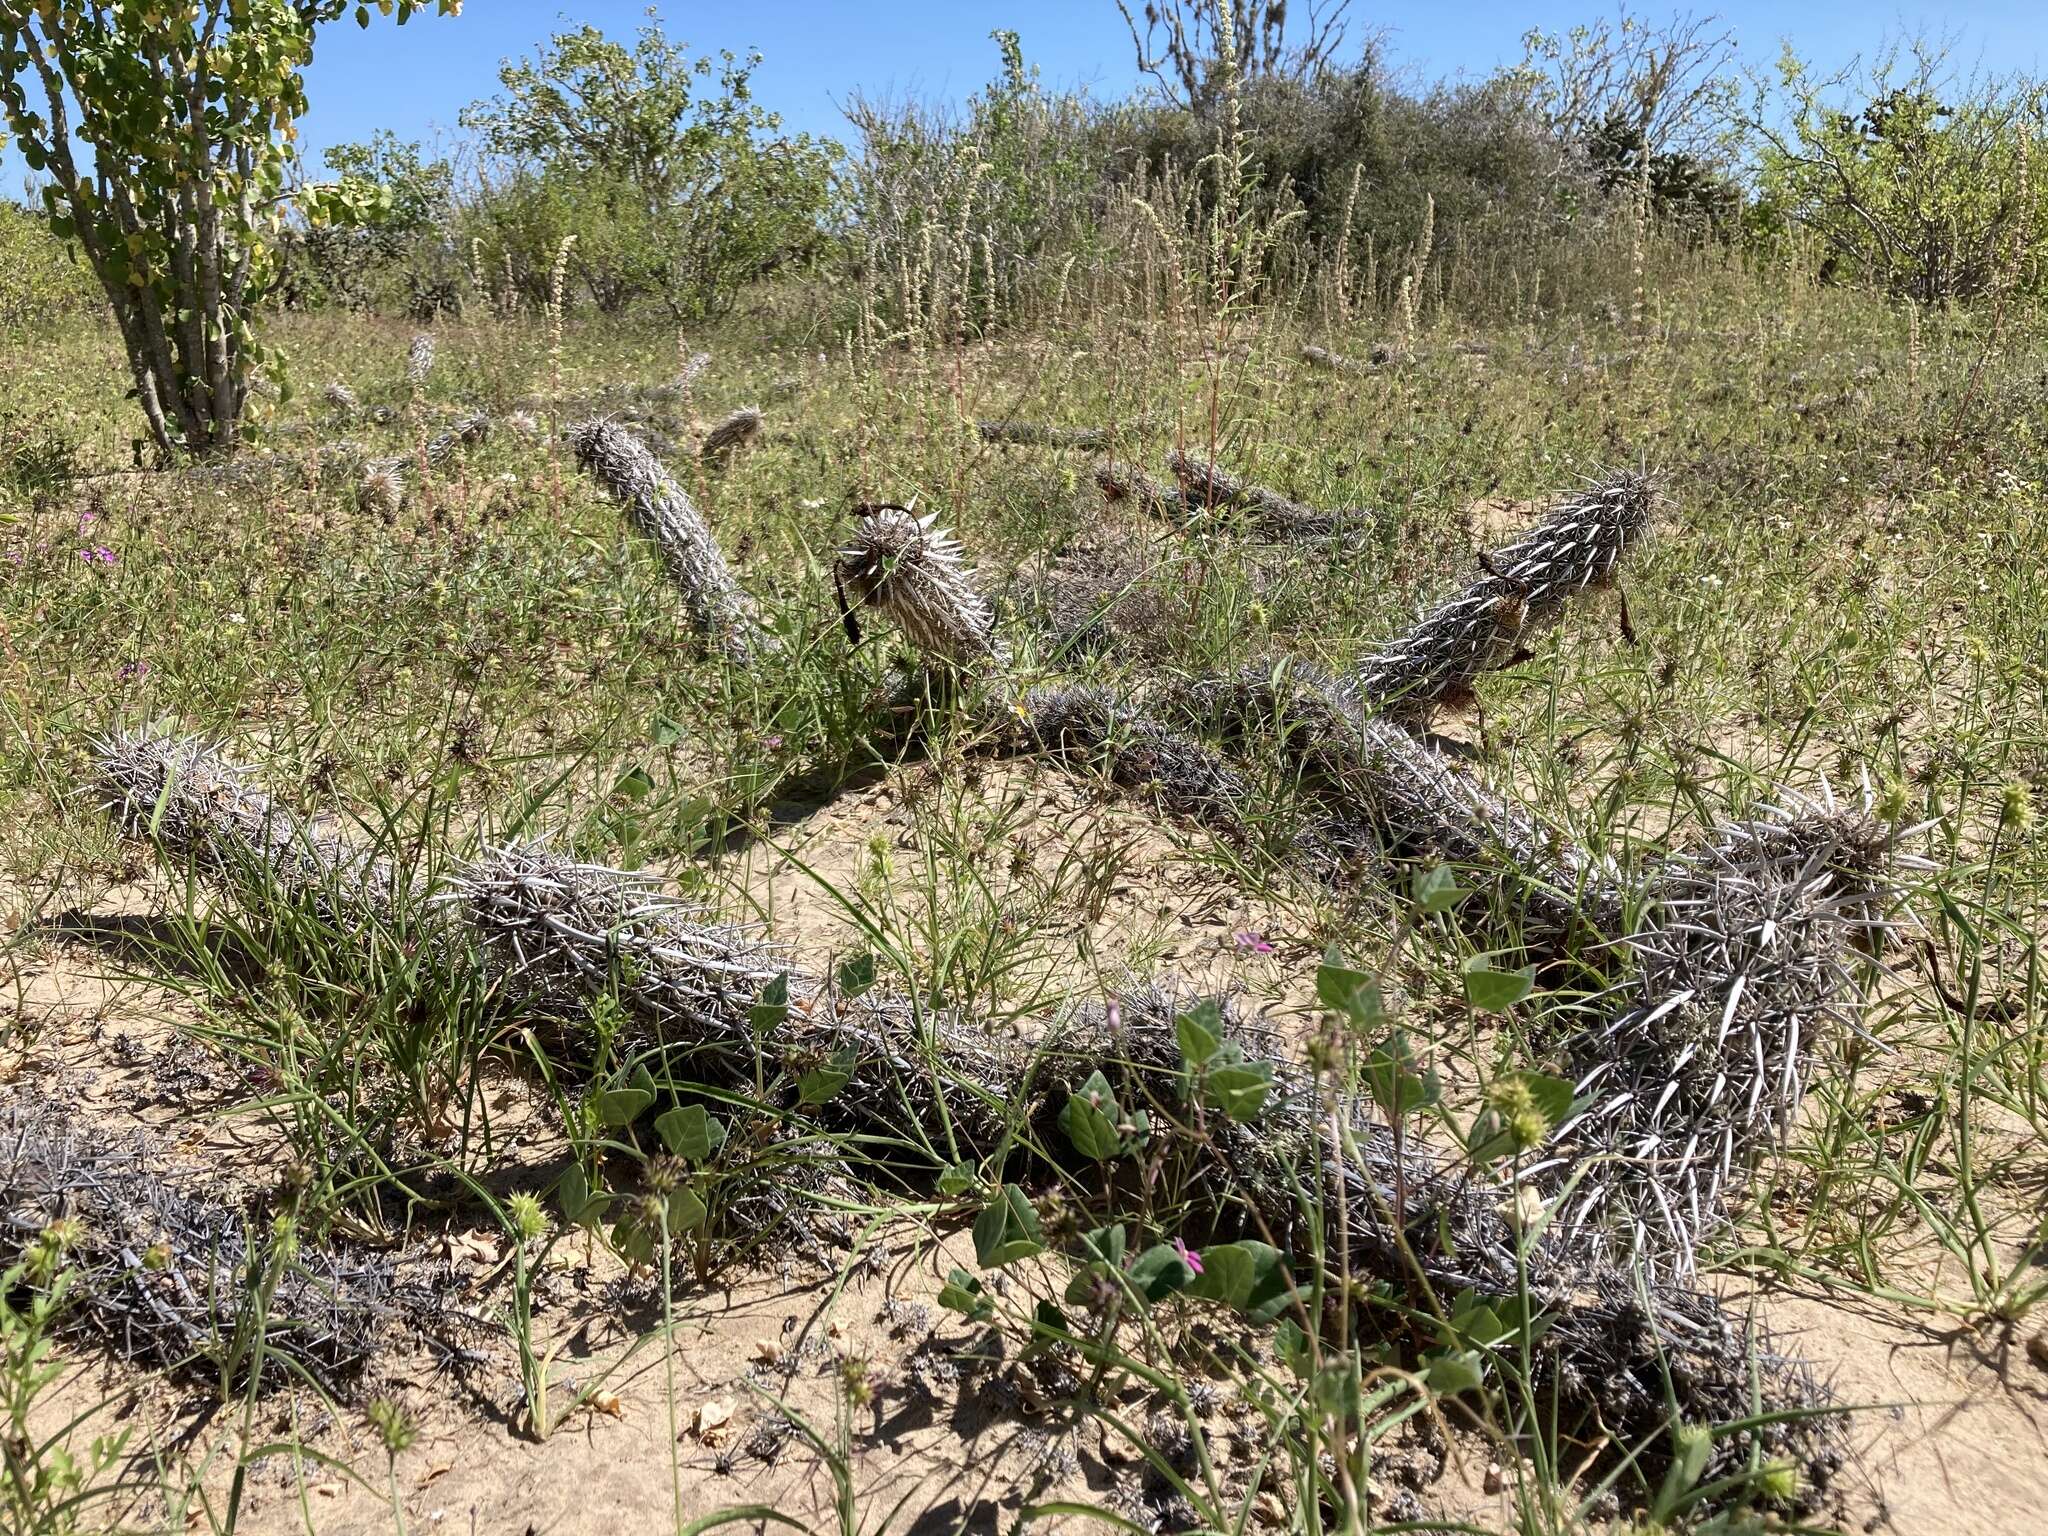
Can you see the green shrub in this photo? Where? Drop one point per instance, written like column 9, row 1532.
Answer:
column 38, row 282
column 1915, row 179
column 676, row 185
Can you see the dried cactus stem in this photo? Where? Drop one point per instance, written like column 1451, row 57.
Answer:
column 1746, row 967
column 1126, row 483
column 1033, row 434
column 731, row 434
column 1207, row 487
column 560, row 932
column 660, row 509
column 1384, row 794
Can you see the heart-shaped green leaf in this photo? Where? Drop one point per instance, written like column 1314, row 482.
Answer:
column 690, row 1131
column 1007, row 1231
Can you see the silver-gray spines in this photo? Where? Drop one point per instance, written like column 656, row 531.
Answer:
column 181, row 794
column 1523, row 589
column 419, row 359
column 662, row 510
column 1745, row 965
column 912, row 570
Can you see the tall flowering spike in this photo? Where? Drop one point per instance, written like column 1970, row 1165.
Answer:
column 419, row 359
column 1746, row 966
column 732, row 434
column 912, row 570
column 1578, row 545
column 660, row 508
column 183, row 796
column 1206, row 485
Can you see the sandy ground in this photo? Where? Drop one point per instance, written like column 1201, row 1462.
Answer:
column 1950, row 1436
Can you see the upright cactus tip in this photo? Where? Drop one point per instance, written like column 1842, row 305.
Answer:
column 912, row 570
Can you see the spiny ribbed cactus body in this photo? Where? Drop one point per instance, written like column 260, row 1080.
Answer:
column 1099, row 600
column 1037, row 435
column 1526, row 585
column 1127, row 483
column 163, row 1244
column 692, row 370
column 1098, row 726
column 738, row 429
column 1205, row 486
column 380, row 487
column 1336, row 362
column 182, row 795
column 341, row 397
column 419, row 359
column 1386, row 793
column 471, row 428
column 660, row 509
column 1746, row 965
column 1610, row 1355
column 910, row 569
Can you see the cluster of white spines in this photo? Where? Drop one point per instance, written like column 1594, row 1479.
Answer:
column 182, row 794
column 734, row 432
column 381, row 486
column 1746, row 964
column 912, row 570
column 419, row 359
column 1523, row 590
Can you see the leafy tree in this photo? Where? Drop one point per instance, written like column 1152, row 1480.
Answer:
column 165, row 129
column 381, row 222
column 1924, row 187
column 675, row 182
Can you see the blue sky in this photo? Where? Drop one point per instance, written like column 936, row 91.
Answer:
column 416, row 80
column 818, row 50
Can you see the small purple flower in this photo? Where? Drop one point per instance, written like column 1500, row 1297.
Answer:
column 773, row 743
column 1187, row 1256
column 1255, row 942
column 133, row 670
column 104, row 554
column 86, row 520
